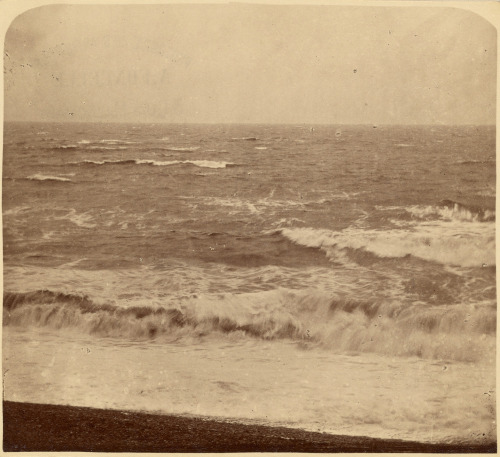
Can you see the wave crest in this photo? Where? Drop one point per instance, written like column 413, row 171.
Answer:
column 312, row 319
column 198, row 163
column 40, row 177
column 445, row 244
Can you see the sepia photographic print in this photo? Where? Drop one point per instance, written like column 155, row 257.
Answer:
column 249, row 227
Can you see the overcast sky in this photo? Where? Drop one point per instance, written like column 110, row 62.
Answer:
column 251, row 63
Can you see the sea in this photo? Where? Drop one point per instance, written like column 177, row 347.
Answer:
column 334, row 278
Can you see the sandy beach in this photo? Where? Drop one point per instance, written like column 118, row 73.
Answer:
column 36, row 427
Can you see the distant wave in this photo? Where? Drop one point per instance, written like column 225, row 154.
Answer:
column 245, row 138
column 448, row 245
column 477, row 162
column 185, row 149
column 210, row 163
column 103, row 162
column 198, row 163
column 117, row 141
column 111, row 141
column 310, row 318
column 65, row 146
column 39, row 177
column 107, row 148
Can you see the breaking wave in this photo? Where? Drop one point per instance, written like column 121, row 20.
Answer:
column 445, row 243
column 311, row 319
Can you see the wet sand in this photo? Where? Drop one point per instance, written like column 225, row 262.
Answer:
column 37, row 427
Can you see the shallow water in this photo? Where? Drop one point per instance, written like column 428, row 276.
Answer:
column 276, row 382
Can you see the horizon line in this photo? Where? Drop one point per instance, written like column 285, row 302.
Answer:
column 373, row 124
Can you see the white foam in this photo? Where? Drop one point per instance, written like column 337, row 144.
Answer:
column 17, row 210
column 106, row 142
column 208, row 163
column 287, row 222
column 48, row 235
column 445, row 242
column 239, row 205
column 156, row 162
column 108, row 148
column 95, row 162
column 84, row 220
column 81, row 220
column 40, row 177
column 184, row 149
column 457, row 213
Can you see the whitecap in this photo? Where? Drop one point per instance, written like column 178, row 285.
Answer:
column 40, row 177
column 183, row 149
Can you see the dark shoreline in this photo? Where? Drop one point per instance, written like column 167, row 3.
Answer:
column 37, row 427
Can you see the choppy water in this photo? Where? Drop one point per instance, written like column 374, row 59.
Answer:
column 338, row 278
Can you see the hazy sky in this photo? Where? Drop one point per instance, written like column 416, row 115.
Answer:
column 251, row 63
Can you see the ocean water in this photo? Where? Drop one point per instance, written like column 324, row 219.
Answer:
column 332, row 278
